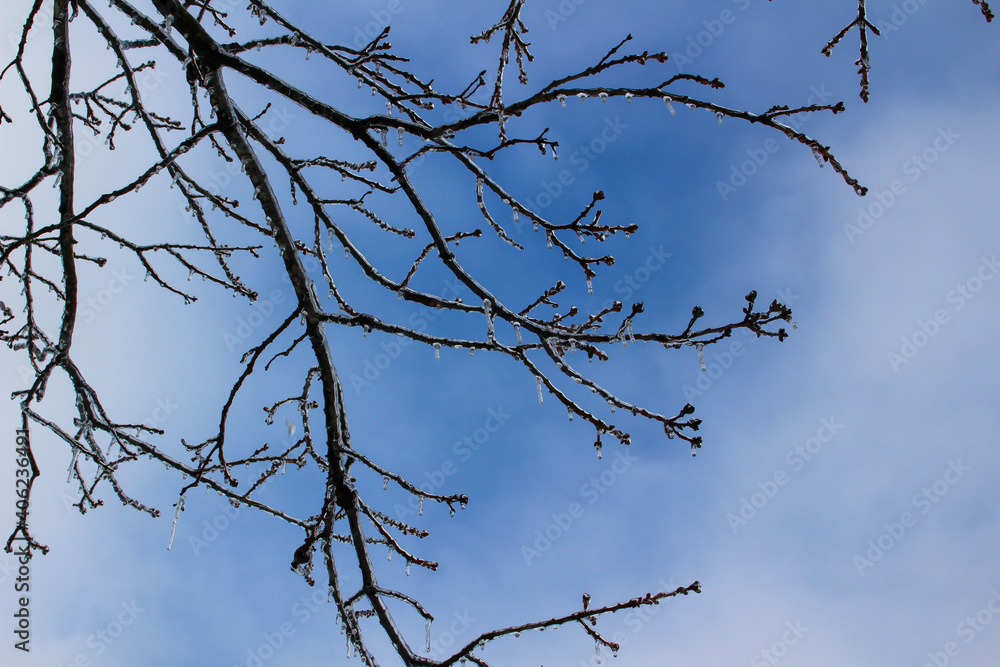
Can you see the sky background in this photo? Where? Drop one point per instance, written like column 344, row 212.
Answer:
column 843, row 509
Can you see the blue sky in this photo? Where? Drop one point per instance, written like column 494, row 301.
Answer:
column 843, row 509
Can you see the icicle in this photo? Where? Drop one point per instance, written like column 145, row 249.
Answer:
column 385, row 136
column 538, row 386
column 794, row 325
column 534, row 225
column 548, row 240
column 180, row 507
column 612, row 406
column 818, row 156
column 667, row 99
column 373, row 91
column 517, row 332
column 399, row 295
column 472, row 351
column 490, row 331
column 691, row 106
column 347, row 252
column 428, row 629
column 329, row 240
column 597, row 649
column 604, row 97
column 514, row 211
column 385, row 482
column 400, row 137
column 562, row 100
column 407, row 568
column 437, row 351
column 590, row 286
column 308, row 53
column 390, row 552
column 600, row 454
column 420, row 505
column 359, row 84
column 569, row 411
column 628, row 97
column 701, row 356
column 631, row 335
column 718, row 114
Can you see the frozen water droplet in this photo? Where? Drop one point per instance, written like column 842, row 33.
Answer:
column 562, row 100
column 628, row 97
column 718, row 114
column 472, row 351
column 582, row 95
column 437, row 351
column 667, row 100
column 604, row 97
